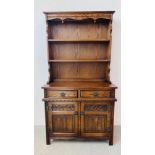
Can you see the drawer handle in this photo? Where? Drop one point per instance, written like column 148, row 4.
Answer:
column 95, row 94
column 82, row 113
column 62, row 94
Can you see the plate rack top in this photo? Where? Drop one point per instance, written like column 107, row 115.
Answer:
column 81, row 15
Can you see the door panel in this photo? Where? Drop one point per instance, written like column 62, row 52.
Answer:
column 95, row 118
column 63, row 118
column 98, row 121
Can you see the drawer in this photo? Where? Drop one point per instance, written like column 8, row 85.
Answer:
column 62, row 93
column 95, row 94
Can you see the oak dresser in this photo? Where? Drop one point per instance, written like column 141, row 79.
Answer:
column 79, row 96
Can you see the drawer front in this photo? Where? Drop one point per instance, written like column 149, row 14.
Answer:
column 95, row 94
column 62, row 93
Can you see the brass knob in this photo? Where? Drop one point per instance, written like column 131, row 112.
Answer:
column 62, row 94
column 95, row 94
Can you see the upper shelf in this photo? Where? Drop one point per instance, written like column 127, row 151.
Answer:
column 78, row 40
column 79, row 60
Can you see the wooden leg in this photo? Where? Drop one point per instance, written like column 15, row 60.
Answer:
column 47, row 131
column 48, row 142
column 111, row 141
column 112, row 123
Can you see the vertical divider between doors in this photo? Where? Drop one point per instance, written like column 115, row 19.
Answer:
column 79, row 118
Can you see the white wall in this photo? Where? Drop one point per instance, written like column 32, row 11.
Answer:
column 40, row 51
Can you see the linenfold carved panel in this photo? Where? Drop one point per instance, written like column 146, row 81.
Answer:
column 63, row 123
column 95, row 123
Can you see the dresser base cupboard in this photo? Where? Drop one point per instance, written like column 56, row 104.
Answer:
column 79, row 96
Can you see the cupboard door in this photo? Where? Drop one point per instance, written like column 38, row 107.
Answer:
column 96, row 119
column 63, row 119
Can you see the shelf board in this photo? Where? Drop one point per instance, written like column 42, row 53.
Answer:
column 79, row 84
column 78, row 40
column 79, row 60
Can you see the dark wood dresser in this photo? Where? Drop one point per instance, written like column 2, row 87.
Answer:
column 79, row 96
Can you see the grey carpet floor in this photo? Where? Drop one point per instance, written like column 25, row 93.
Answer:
column 75, row 147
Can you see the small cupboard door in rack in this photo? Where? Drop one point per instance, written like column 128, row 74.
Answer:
column 96, row 119
column 63, row 119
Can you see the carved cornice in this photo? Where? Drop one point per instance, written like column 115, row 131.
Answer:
column 79, row 16
column 61, row 107
column 98, row 108
column 63, row 19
